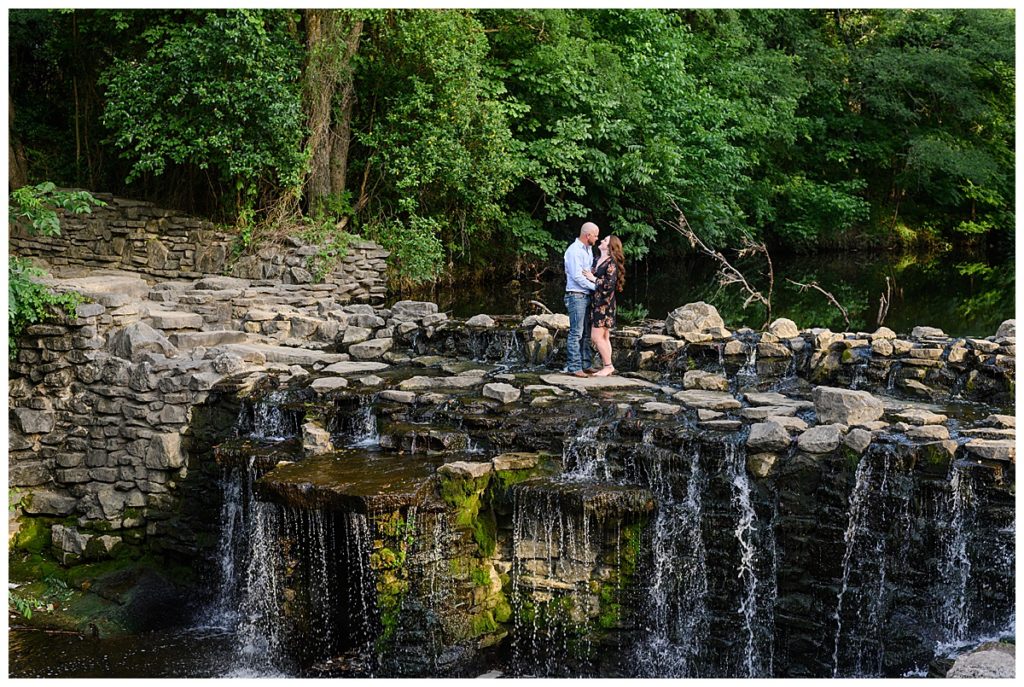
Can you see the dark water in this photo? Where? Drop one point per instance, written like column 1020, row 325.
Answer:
column 964, row 295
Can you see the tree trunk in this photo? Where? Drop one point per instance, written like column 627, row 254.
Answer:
column 342, row 131
column 331, row 42
column 17, row 165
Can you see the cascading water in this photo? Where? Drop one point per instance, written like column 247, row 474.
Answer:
column 270, row 420
column 748, row 373
column 676, row 610
column 757, row 601
column 955, row 566
column 585, row 456
column 361, row 426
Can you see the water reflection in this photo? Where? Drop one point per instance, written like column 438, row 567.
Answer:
column 964, row 295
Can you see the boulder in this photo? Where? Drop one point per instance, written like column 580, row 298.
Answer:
column 413, row 309
column 883, row 333
column 927, row 333
column 992, row 660
column 845, row 406
column 857, row 440
column 760, row 464
column 820, row 439
column 68, row 544
column 793, row 424
column 49, row 503
column 784, row 328
column 768, row 436
column 165, row 452
column 481, row 320
column 137, row 339
column 928, row 432
column 355, row 335
column 920, row 416
column 515, row 461
column 396, row 396
column 692, row 318
column 370, row 350
column 315, row 439
column 506, row 393
column 1007, row 329
column 709, row 381
column 325, row 384
column 993, row 449
column 556, row 321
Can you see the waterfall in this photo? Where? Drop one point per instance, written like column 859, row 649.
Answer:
column 272, row 422
column 748, row 373
column 676, row 607
column 955, row 566
column 585, row 457
column 552, row 562
column 758, row 596
column 361, row 426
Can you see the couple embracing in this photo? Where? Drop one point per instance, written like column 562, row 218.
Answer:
column 590, row 288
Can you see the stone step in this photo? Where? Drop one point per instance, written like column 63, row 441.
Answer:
column 208, row 339
column 283, row 354
column 175, row 320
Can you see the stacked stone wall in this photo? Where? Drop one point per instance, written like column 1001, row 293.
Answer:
column 166, row 245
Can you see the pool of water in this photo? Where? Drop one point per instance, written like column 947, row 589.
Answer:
column 964, row 295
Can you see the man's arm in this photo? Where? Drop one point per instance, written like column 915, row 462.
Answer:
column 580, row 263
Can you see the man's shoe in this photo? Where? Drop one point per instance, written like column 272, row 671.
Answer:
column 592, row 370
column 580, row 373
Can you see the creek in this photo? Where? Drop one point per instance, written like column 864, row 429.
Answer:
column 572, row 531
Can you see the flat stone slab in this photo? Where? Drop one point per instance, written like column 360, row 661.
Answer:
column 284, row 354
column 993, row 449
column 345, row 367
column 711, row 400
column 772, row 398
column 208, row 339
column 174, row 319
column 660, row 408
column 515, row 461
column 131, row 286
column 466, row 469
column 325, row 384
column 765, row 412
column 920, row 416
column 506, row 393
column 612, row 382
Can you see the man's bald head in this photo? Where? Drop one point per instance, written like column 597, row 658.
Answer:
column 588, row 233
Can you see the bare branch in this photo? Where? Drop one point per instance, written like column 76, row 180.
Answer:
column 829, row 296
column 541, row 306
column 727, row 273
column 883, row 302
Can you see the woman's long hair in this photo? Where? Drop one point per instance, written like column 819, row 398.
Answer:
column 615, row 251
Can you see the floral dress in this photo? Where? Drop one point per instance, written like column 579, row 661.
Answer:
column 603, row 314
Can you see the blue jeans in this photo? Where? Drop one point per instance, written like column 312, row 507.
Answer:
column 578, row 347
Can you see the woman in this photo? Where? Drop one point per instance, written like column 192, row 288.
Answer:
column 609, row 276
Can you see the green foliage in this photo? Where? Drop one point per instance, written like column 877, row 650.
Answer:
column 28, row 301
column 634, row 315
column 332, row 244
column 417, row 253
column 217, row 89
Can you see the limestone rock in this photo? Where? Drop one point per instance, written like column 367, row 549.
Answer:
column 558, row 321
column 993, row 660
column 370, row 350
column 515, row 461
column 764, row 412
column 858, row 440
column 709, row 381
column 927, row 333
column 138, row 339
column 68, row 543
column 883, row 333
column 660, row 408
column 768, row 436
column 920, row 416
column 466, row 469
column 397, row 396
column 1004, row 421
column 355, row 335
column 413, row 309
column 993, row 449
column 417, row 383
column 928, row 432
column 325, row 384
column 711, row 400
column 703, row 414
column 227, row 363
column 221, row 284
column 506, row 393
column 345, row 367
column 49, row 503
column 793, row 424
column 315, row 439
column 1007, row 329
column 34, row 421
column 845, row 406
column 820, row 439
column 734, row 347
column 760, row 464
column 369, row 380
column 784, row 328
column 692, row 318
column 772, row 350
column 773, row 398
column 654, row 339
column 482, row 321
column 165, row 452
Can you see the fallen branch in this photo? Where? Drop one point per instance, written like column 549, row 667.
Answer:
column 829, row 296
column 883, row 302
column 727, row 274
column 541, row 306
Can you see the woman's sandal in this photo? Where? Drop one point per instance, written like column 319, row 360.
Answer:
column 602, row 373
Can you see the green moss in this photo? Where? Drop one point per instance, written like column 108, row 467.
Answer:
column 24, row 567
column 480, row 577
column 33, row 535
column 483, row 623
column 465, row 496
column 847, row 356
column 503, row 611
column 485, row 530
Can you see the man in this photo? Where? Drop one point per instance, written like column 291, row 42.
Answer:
column 579, row 257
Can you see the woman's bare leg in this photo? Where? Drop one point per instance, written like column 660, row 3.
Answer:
column 602, row 339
